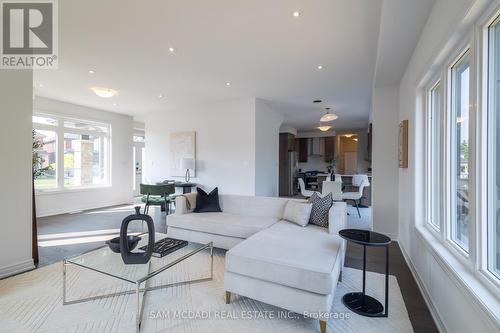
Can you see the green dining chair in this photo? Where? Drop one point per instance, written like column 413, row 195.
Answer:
column 157, row 195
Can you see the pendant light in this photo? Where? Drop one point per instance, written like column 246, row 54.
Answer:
column 323, row 128
column 328, row 116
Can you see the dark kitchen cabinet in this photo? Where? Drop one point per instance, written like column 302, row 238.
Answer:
column 286, row 145
column 329, row 148
column 302, row 150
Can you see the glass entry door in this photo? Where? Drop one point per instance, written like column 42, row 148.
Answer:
column 139, row 158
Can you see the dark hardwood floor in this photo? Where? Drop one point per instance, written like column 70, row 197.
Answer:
column 418, row 311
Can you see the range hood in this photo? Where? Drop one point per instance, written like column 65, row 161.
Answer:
column 316, row 147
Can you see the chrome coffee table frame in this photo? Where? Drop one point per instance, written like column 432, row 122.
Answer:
column 138, row 289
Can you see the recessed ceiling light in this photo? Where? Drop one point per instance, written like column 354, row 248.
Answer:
column 316, row 101
column 296, row 13
column 171, row 50
column 104, row 92
column 320, row 67
column 91, row 71
column 355, row 139
column 160, row 96
column 114, row 104
column 40, row 85
column 228, row 84
column 348, row 135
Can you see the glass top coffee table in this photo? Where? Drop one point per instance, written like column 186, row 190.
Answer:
column 104, row 261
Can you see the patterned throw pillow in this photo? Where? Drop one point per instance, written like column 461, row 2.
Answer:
column 320, row 208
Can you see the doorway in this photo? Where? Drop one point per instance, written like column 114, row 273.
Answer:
column 139, row 156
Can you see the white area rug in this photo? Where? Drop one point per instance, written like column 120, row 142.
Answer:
column 32, row 302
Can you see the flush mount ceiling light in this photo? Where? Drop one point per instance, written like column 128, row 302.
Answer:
column 228, row 84
column 324, row 128
column 171, row 49
column 296, row 13
column 104, row 92
column 320, row 67
column 348, row 136
column 328, row 116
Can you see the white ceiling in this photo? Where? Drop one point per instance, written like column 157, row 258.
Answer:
column 257, row 45
column 401, row 24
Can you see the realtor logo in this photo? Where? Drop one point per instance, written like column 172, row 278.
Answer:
column 29, row 34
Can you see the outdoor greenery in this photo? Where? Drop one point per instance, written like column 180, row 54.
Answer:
column 37, row 160
column 464, row 150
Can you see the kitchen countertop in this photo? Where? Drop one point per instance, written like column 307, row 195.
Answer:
column 327, row 174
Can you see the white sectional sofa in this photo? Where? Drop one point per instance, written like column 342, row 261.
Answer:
column 269, row 259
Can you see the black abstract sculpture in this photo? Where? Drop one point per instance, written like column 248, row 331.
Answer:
column 137, row 258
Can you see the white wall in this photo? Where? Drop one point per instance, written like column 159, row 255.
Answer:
column 363, row 163
column 16, row 105
column 288, row 129
column 449, row 296
column 267, row 128
column 225, row 144
column 120, row 191
column 385, row 191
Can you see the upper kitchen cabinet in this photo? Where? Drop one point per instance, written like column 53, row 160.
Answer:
column 302, row 149
column 329, row 148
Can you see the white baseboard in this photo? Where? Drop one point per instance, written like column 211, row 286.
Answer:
column 423, row 291
column 20, row 267
column 393, row 237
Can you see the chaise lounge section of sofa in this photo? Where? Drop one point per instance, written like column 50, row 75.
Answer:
column 269, row 259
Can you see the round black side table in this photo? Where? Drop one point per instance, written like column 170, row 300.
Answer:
column 359, row 302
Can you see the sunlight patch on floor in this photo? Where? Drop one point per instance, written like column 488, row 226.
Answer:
column 83, row 239
column 78, row 234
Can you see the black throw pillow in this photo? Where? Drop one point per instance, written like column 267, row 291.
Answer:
column 207, row 203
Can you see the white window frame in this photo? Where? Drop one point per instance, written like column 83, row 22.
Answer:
column 60, row 130
column 471, row 271
column 484, row 215
column 465, row 51
column 438, row 80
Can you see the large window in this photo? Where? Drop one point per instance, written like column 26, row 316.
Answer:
column 493, row 227
column 77, row 152
column 85, row 161
column 48, row 159
column 462, row 153
column 434, row 118
column 459, row 126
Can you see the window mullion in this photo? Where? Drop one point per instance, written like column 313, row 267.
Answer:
column 60, row 155
column 443, row 158
column 473, row 162
column 446, row 169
